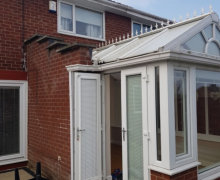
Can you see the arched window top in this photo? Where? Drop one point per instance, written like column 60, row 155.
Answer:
column 206, row 41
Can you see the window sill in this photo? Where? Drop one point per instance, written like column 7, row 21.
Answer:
column 13, row 161
column 174, row 171
column 78, row 35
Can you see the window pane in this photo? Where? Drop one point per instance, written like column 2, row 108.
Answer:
column 213, row 49
column 136, row 29
column 89, row 23
column 66, row 13
column 180, row 98
column 197, row 43
column 134, row 128
column 217, row 34
column 201, row 107
column 157, row 98
column 208, row 32
column 146, row 28
column 9, row 121
column 208, row 115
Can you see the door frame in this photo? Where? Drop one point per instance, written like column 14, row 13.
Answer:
column 124, row 73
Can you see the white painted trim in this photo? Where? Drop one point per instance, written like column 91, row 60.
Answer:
column 124, row 74
column 23, row 105
column 73, row 33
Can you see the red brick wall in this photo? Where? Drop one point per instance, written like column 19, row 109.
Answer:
column 10, row 35
column 37, row 19
column 48, row 112
column 116, row 25
column 190, row 174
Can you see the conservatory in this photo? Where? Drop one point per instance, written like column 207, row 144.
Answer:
column 150, row 105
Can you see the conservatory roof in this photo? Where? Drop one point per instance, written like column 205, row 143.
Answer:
column 200, row 34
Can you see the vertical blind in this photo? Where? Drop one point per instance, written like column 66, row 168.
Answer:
column 134, row 127
column 9, row 121
column 89, row 142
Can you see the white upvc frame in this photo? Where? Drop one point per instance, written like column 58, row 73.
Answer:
column 76, row 123
column 124, row 73
column 190, row 156
column 23, row 105
column 170, row 163
column 73, row 33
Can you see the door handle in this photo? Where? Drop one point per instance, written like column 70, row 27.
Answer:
column 123, row 133
column 78, row 132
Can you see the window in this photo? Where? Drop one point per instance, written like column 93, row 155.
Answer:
column 9, row 120
column 157, row 100
column 13, row 124
column 66, row 15
column 137, row 28
column 208, row 115
column 180, row 102
column 206, row 41
column 80, row 21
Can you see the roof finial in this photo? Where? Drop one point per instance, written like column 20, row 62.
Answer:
column 103, row 44
column 106, row 43
column 168, row 22
column 174, row 20
column 195, row 13
column 155, row 26
column 99, row 45
column 162, row 24
column 112, row 40
column 109, row 42
column 202, row 11
column 151, row 27
column 187, row 16
column 181, row 18
column 116, row 39
column 210, row 8
column 119, row 38
column 123, row 36
column 128, row 35
column 136, row 32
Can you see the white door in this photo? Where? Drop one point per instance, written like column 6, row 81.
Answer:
column 134, row 124
column 87, row 127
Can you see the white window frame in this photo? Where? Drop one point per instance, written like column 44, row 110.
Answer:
column 73, row 33
column 142, row 27
column 23, row 98
column 171, row 163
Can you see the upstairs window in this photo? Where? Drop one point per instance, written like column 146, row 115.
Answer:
column 137, row 28
column 79, row 21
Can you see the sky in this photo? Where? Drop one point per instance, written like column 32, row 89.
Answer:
column 171, row 9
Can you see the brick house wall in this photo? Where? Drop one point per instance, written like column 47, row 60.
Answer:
column 48, row 81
